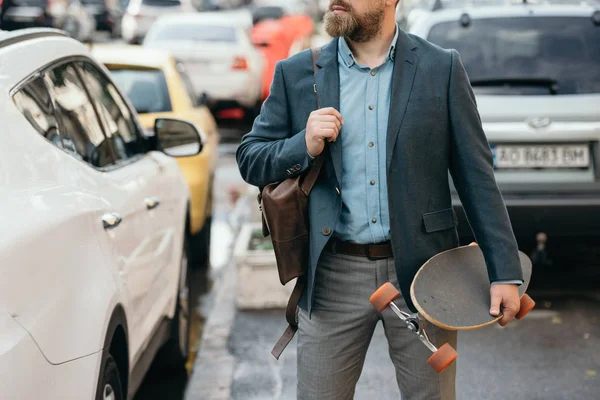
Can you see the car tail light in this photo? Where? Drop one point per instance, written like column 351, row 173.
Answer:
column 239, row 63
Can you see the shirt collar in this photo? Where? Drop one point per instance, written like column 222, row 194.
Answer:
column 348, row 58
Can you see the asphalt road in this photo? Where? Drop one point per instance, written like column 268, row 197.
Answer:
column 552, row 354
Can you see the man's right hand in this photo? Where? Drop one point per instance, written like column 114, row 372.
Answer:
column 323, row 124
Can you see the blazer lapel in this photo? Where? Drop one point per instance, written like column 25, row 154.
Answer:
column 327, row 79
column 405, row 67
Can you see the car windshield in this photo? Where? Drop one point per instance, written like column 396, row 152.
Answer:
column 526, row 55
column 196, row 32
column 146, row 89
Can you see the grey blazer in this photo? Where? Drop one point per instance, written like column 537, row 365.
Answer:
column 434, row 127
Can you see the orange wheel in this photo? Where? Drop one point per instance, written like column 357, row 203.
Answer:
column 384, row 296
column 527, row 304
column 441, row 359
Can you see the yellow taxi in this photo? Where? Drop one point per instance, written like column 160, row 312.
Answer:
column 158, row 87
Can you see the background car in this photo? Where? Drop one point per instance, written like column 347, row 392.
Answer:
column 141, row 14
column 94, row 252
column 107, row 13
column 535, row 71
column 159, row 88
column 68, row 15
column 218, row 56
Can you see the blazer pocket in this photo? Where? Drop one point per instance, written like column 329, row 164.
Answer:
column 440, row 220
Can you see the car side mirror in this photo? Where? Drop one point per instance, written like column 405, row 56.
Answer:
column 204, row 99
column 178, row 138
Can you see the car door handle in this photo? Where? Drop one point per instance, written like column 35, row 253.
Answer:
column 111, row 220
column 151, row 202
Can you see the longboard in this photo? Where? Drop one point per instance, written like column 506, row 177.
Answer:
column 452, row 291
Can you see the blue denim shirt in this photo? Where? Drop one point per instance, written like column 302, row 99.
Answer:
column 365, row 96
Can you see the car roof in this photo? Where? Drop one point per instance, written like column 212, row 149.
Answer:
column 138, row 56
column 241, row 18
column 32, row 49
column 508, row 10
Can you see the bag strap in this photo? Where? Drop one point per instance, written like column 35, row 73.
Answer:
column 311, row 177
column 307, row 185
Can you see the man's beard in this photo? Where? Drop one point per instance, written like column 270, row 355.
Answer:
column 349, row 25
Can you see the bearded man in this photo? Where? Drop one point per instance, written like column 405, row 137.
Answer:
column 398, row 113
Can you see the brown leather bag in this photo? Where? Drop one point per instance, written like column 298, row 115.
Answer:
column 284, row 207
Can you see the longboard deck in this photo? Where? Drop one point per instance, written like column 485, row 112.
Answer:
column 452, row 289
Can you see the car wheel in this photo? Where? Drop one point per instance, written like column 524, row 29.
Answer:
column 110, row 387
column 174, row 353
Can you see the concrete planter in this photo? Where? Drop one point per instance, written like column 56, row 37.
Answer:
column 257, row 280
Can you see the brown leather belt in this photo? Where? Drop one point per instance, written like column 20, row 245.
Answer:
column 376, row 251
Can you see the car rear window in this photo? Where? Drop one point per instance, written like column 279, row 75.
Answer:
column 526, row 55
column 161, row 3
column 146, row 89
column 195, row 32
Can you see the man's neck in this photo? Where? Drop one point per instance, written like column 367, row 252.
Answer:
column 374, row 52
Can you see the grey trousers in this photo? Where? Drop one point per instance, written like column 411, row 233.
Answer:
column 333, row 343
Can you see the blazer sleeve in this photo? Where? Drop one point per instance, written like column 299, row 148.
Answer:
column 271, row 152
column 471, row 167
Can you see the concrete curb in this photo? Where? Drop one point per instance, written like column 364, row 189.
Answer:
column 212, row 374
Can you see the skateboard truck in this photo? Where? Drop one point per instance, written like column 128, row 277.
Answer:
column 384, row 297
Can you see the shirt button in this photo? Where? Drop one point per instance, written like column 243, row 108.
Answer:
column 373, row 73
column 373, row 182
column 371, row 144
column 374, row 220
column 371, row 107
column 326, row 231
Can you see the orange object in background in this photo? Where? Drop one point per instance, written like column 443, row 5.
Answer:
column 274, row 39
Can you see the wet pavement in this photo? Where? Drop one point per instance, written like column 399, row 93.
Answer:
column 552, row 354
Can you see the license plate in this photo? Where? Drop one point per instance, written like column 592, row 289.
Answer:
column 542, row 156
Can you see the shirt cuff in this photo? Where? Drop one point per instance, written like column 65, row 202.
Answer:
column 311, row 159
column 513, row 282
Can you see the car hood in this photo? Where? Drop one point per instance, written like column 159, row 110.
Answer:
column 563, row 108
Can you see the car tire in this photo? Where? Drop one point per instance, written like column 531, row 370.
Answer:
column 110, row 387
column 201, row 247
column 174, row 353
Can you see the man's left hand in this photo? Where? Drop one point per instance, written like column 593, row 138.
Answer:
column 506, row 296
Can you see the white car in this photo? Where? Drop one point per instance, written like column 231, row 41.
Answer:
column 535, row 73
column 141, row 14
column 218, row 55
column 93, row 254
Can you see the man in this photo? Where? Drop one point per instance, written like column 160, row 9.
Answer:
column 397, row 114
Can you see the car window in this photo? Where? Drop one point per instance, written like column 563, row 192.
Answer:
column 78, row 123
column 116, row 116
column 146, row 89
column 521, row 55
column 161, row 3
column 199, row 32
column 34, row 102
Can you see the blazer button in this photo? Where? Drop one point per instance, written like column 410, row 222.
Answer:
column 326, row 231
column 337, row 190
column 297, row 167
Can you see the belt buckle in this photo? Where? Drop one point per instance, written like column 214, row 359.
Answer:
column 368, row 251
